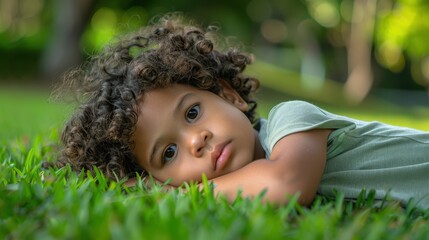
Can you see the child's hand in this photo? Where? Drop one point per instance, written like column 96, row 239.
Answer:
column 148, row 183
column 131, row 182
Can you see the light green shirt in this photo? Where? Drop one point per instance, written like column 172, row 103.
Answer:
column 360, row 155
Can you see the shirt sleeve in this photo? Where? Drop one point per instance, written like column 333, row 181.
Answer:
column 298, row 116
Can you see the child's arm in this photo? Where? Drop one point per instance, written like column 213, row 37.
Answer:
column 296, row 165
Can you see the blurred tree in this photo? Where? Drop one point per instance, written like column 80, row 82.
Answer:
column 378, row 35
column 64, row 49
column 320, row 39
column 359, row 48
column 23, row 32
column 403, row 35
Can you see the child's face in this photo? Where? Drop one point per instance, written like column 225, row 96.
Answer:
column 183, row 132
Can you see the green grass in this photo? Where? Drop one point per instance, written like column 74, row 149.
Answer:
column 36, row 203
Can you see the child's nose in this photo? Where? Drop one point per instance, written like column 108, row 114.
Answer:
column 199, row 142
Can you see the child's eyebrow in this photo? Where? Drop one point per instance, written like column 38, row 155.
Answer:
column 182, row 102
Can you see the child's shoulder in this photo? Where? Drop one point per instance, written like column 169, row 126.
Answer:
column 295, row 108
column 295, row 104
column 301, row 116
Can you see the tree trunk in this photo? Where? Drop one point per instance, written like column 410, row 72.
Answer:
column 64, row 51
column 360, row 78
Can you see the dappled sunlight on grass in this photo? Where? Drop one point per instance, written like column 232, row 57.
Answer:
column 407, row 120
column 278, row 85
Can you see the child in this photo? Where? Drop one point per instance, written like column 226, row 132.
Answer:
column 167, row 102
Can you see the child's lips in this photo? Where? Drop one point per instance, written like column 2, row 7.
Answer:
column 220, row 155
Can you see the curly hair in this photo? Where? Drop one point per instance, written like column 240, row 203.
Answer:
column 166, row 52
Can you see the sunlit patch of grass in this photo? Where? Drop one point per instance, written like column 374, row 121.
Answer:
column 26, row 113
column 278, row 85
column 412, row 120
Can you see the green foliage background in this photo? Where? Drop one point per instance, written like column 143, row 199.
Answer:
column 400, row 50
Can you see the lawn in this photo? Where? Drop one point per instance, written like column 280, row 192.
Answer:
column 37, row 203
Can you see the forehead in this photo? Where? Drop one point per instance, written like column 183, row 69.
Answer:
column 155, row 105
column 157, row 98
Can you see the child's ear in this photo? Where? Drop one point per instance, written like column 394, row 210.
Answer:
column 231, row 95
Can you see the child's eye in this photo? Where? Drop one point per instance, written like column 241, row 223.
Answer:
column 193, row 113
column 169, row 153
